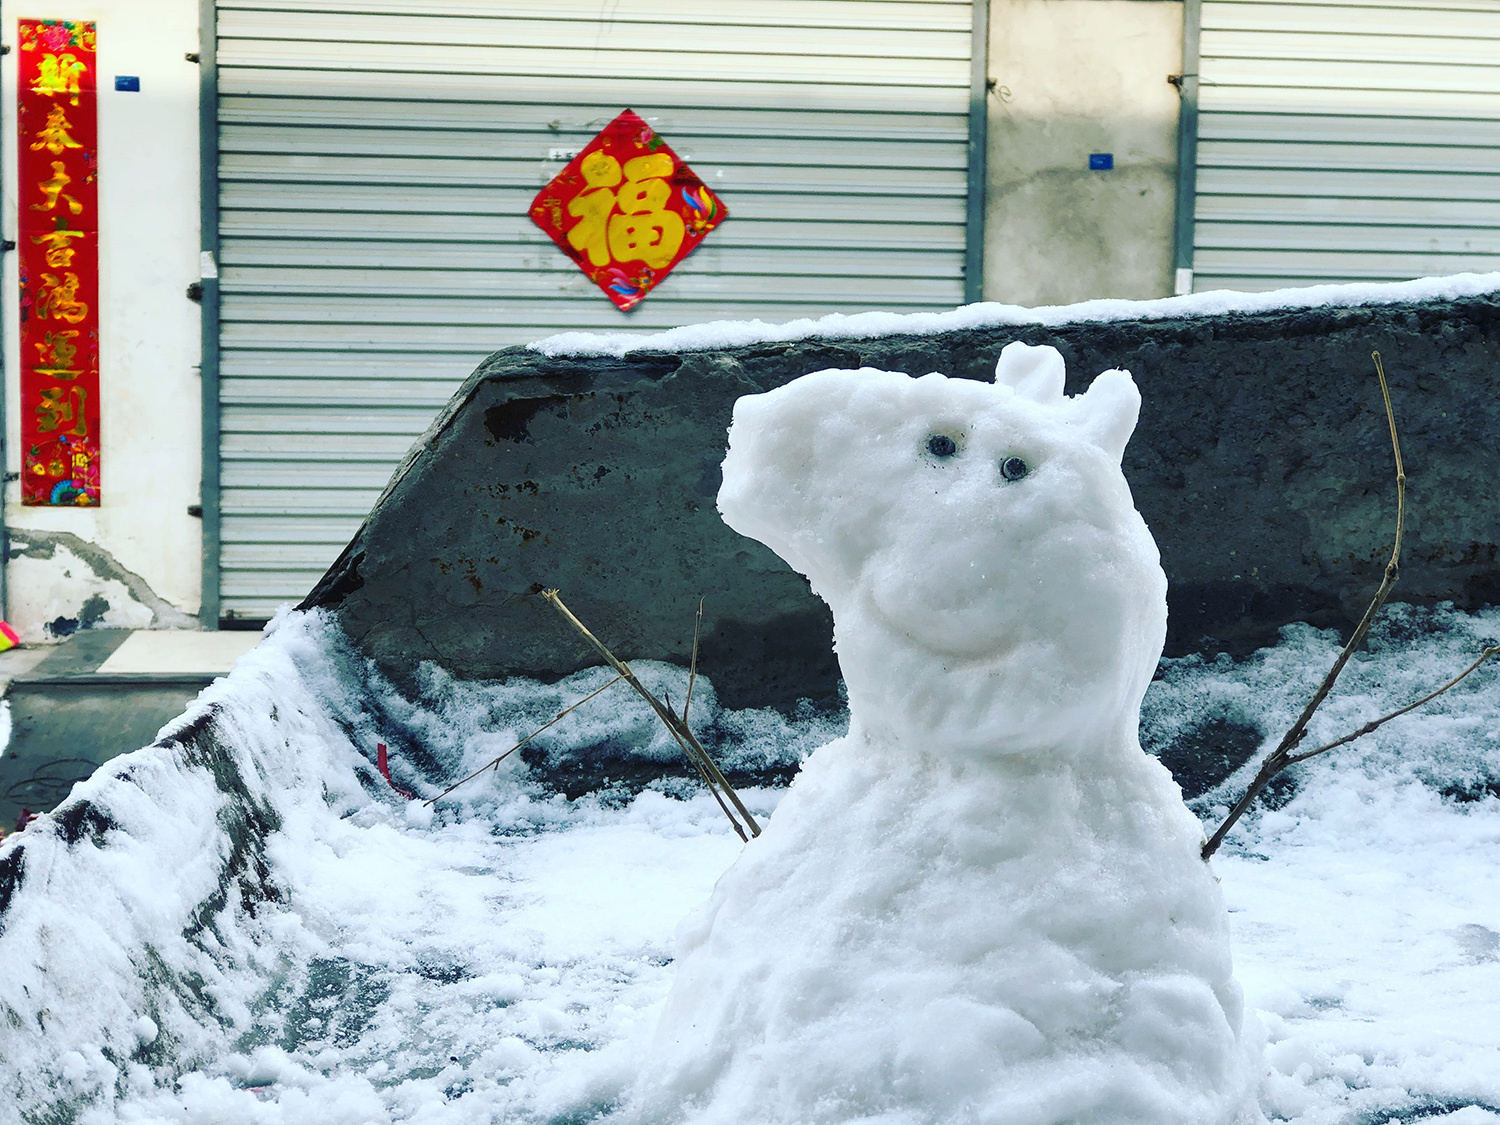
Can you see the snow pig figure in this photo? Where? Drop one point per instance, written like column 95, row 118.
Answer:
column 986, row 903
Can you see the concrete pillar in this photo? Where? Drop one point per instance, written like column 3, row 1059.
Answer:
column 1073, row 78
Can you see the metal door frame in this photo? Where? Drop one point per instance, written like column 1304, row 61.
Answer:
column 979, row 130
column 208, row 194
column 1187, row 149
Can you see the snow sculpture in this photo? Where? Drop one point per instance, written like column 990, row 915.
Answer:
column 986, row 903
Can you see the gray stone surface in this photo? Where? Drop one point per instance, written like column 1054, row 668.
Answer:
column 67, row 718
column 1262, row 464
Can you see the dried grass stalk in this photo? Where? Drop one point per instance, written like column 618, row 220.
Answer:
column 693, row 666
column 679, row 729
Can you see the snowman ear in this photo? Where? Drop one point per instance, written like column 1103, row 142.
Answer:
column 1107, row 412
column 1032, row 372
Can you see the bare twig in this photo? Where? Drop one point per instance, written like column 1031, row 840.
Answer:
column 693, row 667
column 1282, row 756
column 678, row 729
column 1374, row 724
column 495, row 764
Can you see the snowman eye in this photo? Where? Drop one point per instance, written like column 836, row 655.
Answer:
column 1013, row 468
column 941, row 445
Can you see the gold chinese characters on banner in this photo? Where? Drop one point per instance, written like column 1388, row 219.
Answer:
column 57, row 136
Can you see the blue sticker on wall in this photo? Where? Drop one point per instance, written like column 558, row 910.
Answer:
column 127, row 83
column 1101, row 161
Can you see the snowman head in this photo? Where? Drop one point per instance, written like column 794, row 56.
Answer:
column 991, row 582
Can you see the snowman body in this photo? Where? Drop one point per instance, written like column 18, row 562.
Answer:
column 985, row 904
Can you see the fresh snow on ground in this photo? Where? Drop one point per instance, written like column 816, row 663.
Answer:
column 487, row 965
column 1366, row 910
column 245, row 922
column 991, row 314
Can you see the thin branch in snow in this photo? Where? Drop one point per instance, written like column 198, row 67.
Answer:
column 1492, row 650
column 495, row 764
column 1283, row 755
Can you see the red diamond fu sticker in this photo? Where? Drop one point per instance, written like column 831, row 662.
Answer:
column 627, row 210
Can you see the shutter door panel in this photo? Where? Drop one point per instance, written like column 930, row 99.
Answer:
column 714, row 125
column 909, row 15
column 1364, row 17
column 377, row 162
column 289, row 239
column 551, row 46
column 1353, row 141
column 663, row 94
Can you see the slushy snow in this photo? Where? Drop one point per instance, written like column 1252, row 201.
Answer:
column 985, row 904
column 501, row 961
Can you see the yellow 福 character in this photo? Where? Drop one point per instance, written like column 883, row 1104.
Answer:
column 59, row 244
column 54, row 135
column 601, row 172
column 52, row 191
column 58, row 74
column 58, row 300
column 646, row 232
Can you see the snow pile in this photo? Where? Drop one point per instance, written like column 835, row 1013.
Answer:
column 991, row 314
column 502, row 961
column 246, row 910
column 986, row 904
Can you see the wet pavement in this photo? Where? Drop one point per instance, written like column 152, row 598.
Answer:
column 99, row 694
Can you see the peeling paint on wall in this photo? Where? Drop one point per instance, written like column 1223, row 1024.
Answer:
column 58, row 584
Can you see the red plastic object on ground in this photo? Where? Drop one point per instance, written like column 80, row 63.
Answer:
column 627, row 210
column 382, row 763
column 9, row 638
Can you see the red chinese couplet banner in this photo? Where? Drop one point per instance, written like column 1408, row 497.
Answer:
column 57, row 134
column 627, row 210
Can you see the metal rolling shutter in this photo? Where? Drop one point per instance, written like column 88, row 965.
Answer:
column 377, row 158
column 1353, row 141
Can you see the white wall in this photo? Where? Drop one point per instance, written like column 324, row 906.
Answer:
column 140, row 551
column 1074, row 77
